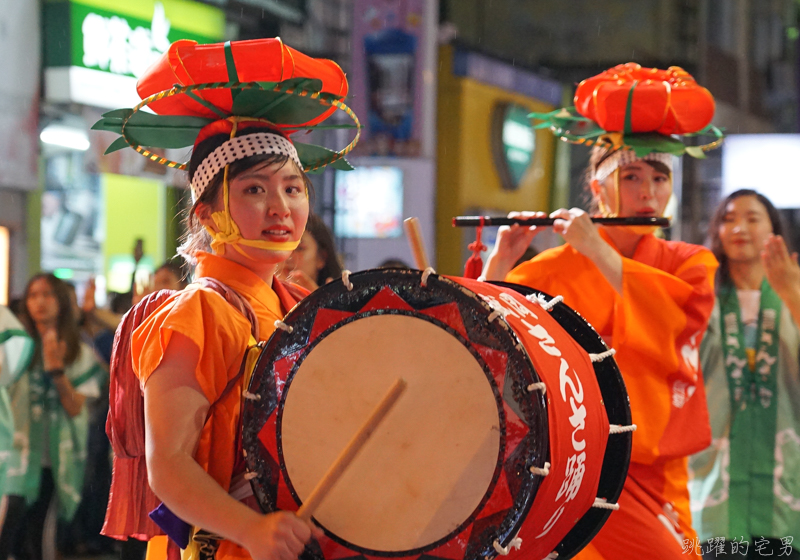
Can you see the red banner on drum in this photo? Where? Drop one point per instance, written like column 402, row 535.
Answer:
column 577, row 421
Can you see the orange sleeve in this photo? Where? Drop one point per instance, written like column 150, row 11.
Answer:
column 655, row 304
column 655, row 325
column 659, row 322
column 219, row 331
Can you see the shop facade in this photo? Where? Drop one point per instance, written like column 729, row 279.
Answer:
column 95, row 208
column 491, row 160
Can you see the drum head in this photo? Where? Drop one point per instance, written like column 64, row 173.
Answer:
column 447, row 473
column 615, row 397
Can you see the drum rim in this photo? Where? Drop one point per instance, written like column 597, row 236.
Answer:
column 538, row 429
column 612, row 387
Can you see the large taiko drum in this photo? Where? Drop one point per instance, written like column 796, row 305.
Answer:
column 500, row 442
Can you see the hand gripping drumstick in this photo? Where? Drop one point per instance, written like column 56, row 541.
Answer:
column 475, row 221
column 414, row 234
column 339, row 466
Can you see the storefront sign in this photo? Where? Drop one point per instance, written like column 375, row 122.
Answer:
column 96, row 49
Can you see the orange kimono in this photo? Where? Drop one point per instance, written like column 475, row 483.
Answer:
column 221, row 334
column 656, row 326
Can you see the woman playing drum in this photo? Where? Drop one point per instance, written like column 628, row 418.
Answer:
column 251, row 204
column 649, row 298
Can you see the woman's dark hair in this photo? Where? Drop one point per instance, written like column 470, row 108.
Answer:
column 66, row 323
column 324, row 238
column 175, row 267
column 394, row 263
column 723, row 272
column 598, row 155
column 196, row 238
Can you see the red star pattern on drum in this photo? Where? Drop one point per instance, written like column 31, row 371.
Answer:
column 502, row 496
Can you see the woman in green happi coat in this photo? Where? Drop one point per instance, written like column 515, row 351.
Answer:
column 46, row 464
column 746, row 487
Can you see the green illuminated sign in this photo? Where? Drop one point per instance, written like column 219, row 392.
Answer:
column 95, row 50
column 124, row 38
column 513, row 143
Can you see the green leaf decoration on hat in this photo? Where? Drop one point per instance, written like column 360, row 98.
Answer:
column 643, row 144
column 147, row 129
column 571, row 126
column 312, row 156
column 296, row 100
column 271, row 105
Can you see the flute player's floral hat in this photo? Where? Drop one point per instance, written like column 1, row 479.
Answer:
column 637, row 114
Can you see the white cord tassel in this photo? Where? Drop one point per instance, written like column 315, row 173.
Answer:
column 426, row 274
column 516, row 543
column 283, row 326
column 541, row 471
column 602, row 356
column 346, row 280
column 250, row 475
column 251, row 396
column 537, row 387
column 602, row 503
column 617, row 429
column 552, row 303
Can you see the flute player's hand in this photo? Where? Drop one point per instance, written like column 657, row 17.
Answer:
column 512, row 242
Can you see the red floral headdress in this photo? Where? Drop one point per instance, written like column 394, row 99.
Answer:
column 646, row 110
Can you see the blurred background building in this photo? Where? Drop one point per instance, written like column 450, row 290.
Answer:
column 442, row 87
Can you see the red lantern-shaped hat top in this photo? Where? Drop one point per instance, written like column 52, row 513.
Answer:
column 259, row 60
column 664, row 101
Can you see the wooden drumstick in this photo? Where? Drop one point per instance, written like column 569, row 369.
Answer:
column 414, row 234
column 339, row 466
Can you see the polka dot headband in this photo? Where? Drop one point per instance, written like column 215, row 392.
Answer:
column 623, row 157
column 238, row 148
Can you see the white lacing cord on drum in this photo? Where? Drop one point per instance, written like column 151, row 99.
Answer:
column 425, row 275
column 602, row 355
column 541, row 471
column 552, row 556
column 537, row 387
column 617, row 429
column 346, row 280
column 283, row 326
column 602, row 503
column 546, row 305
column 516, row 542
column 251, row 396
column 250, row 475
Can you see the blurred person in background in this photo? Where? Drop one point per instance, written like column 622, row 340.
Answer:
column 46, row 465
column 314, row 263
column 393, row 262
column 745, row 488
column 169, row 276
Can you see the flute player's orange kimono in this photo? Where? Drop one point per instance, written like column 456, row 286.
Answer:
column 655, row 325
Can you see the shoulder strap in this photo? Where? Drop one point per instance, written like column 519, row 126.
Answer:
column 234, row 298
